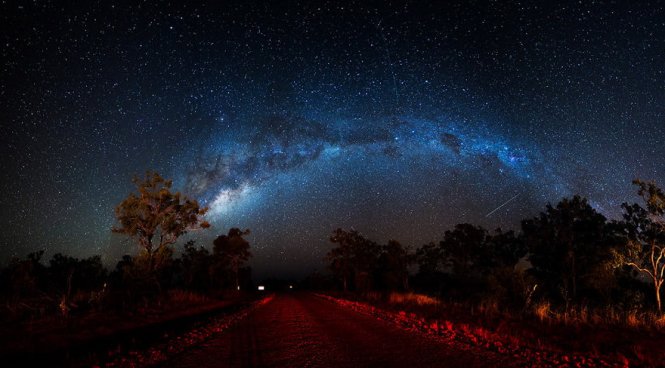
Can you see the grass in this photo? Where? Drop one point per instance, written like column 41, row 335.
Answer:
column 542, row 311
column 55, row 333
column 634, row 334
column 403, row 299
column 413, row 298
column 610, row 317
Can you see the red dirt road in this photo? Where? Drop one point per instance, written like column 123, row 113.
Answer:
column 303, row 330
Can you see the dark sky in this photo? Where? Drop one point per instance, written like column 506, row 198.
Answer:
column 293, row 119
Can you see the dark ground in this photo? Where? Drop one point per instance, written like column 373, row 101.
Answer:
column 303, row 330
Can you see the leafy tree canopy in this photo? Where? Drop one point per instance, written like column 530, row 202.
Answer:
column 157, row 217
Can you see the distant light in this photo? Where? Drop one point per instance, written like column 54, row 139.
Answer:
column 238, row 287
column 262, row 287
column 290, row 286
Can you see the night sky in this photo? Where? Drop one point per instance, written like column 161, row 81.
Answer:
column 295, row 119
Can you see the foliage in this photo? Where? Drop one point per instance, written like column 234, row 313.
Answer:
column 565, row 243
column 577, row 261
column 393, row 265
column 24, row 278
column 231, row 251
column 68, row 273
column 463, row 249
column 469, row 260
column 195, row 265
column 354, row 258
column 503, row 249
column 341, row 257
column 429, row 258
column 156, row 217
column 644, row 231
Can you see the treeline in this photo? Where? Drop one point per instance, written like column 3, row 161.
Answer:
column 31, row 288
column 154, row 217
column 568, row 255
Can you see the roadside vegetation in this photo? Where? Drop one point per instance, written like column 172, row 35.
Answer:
column 67, row 297
column 568, row 275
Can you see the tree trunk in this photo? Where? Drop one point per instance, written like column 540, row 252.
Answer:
column 658, row 284
column 235, row 267
column 574, row 281
column 69, row 284
column 148, row 249
column 573, row 269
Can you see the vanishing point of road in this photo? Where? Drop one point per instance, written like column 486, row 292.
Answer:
column 303, row 330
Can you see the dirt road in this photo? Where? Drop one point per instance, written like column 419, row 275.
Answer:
column 303, row 330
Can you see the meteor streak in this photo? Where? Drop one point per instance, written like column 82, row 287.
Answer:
column 504, row 203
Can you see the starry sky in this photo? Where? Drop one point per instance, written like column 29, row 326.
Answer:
column 291, row 119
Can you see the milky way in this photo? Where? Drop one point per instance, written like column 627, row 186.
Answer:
column 292, row 120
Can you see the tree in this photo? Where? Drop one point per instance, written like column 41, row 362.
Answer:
column 156, row 217
column 195, row 266
column 566, row 242
column 341, row 257
column 504, row 249
column 25, row 277
column 394, row 265
column 644, row 248
column 430, row 267
column 232, row 251
column 355, row 257
column 69, row 276
column 429, row 258
column 463, row 249
column 365, row 260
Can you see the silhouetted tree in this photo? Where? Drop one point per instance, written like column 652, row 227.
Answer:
column 61, row 272
column 68, row 276
column 496, row 263
column 232, row 251
column 429, row 258
column 503, row 249
column 394, row 263
column 196, row 265
column 156, row 217
column 644, row 249
column 565, row 244
column 469, row 259
column 354, row 256
column 25, row 277
column 430, row 276
column 341, row 257
column 463, row 250
column 126, row 286
column 365, row 260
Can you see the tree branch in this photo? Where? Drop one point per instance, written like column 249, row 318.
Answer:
column 640, row 269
